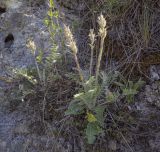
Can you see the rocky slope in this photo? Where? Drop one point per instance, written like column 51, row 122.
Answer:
column 21, row 127
column 20, row 21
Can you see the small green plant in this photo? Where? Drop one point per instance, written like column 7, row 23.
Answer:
column 52, row 22
column 86, row 101
column 43, row 69
column 43, row 64
column 130, row 89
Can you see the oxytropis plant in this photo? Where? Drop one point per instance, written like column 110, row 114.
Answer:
column 86, row 101
column 95, row 94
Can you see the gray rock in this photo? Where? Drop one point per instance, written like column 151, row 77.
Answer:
column 155, row 72
column 152, row 93
column 112, row 145
column 17, row 25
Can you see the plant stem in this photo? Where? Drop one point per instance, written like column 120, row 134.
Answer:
column 38, row 71
column 91, row 61
column 78, row 67
column 99, row 58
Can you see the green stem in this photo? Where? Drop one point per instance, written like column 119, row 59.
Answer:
column 99, row 58
column 91, row 61
column 78, row 68
column 38, row 71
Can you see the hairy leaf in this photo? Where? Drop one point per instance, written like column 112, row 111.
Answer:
column 92, row 131
column 74, row 109
column 99, row 110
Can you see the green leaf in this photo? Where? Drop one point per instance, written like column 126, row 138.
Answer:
column 74, row 109
column 89, row 84
column 50, row 13
column 130, row 84
column 56, row 14
column 40, row 57
column 92, row 131
column 51, row 3
column 111, row 96
column 139, row 84
column 99, row 110
column 108, row 78
column 90, row 98
column 79, row 96
column 46, row 21
column 127, row 92
column 119, row 84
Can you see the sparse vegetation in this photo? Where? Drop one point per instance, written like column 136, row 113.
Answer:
column 88, row 100
column 93, row 105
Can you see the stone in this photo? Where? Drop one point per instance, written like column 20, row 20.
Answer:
column 152, row 93
column 112, row 145
column 155, row 73
column 11, row 4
